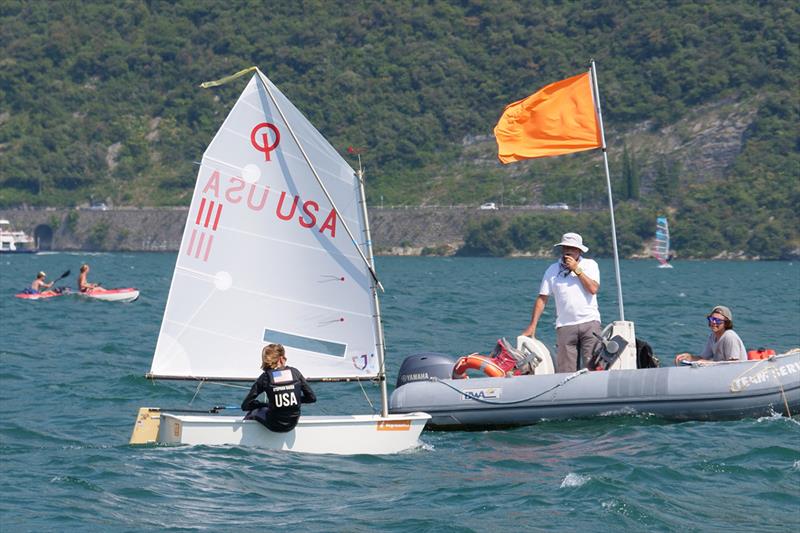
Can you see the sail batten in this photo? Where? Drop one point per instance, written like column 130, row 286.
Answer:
column 265, row 256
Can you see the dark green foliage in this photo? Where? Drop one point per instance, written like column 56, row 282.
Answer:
column 667, row 180
column 72, row 221
column 98, row 236
column 489, row 238
column 630, row 175
column 101, row 99
column 440, row 250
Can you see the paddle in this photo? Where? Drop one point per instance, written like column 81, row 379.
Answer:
column 62, row 276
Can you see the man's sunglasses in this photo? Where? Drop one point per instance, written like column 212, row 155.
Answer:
column 715, row 321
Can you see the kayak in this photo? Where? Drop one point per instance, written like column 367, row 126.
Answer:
column 44, row 295
column 111, row 295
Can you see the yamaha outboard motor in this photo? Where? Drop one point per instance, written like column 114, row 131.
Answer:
column 423, row 366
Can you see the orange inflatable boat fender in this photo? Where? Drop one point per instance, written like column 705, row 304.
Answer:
column 761, row 353
column 477, row 362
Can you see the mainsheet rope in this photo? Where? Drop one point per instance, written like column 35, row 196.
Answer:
column 483, row 400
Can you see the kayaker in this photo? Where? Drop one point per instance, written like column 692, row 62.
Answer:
column 83, row 284
column 723, row 343
column 573, row 281
column 39, row 284
column 286, row 389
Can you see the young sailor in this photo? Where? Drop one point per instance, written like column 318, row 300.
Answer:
column 39, row 284
column 286, row 389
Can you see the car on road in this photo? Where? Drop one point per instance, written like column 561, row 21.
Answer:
column 558, row 205
column 488, row 206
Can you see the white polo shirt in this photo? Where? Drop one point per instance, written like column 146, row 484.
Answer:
column 574, row 304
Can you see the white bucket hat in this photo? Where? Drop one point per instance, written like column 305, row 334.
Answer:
column 574, row 240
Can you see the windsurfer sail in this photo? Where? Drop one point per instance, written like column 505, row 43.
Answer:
column 661, row 243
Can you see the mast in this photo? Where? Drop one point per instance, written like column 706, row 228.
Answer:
column 380, row 347
column 596, row 95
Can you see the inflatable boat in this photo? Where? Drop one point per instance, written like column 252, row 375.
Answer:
column 699, row 391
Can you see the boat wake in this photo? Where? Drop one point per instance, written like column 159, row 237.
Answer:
column 574, row 480
column 778, row 416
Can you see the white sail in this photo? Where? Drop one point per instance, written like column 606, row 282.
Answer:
column 266, row 258
column 661, row 243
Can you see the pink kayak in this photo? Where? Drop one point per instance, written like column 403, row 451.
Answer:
column 111, row 295
column 44, row 295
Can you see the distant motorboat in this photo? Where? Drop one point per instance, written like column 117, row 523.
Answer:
column 15, row 242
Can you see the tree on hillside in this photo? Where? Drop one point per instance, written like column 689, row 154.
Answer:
column 630, row 174
column 667, row 179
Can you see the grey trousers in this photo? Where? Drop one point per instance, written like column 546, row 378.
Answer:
column 574, row 340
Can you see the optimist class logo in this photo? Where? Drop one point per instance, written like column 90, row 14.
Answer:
column 265, row 146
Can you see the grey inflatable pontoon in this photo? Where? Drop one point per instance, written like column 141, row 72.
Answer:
column 725, row 390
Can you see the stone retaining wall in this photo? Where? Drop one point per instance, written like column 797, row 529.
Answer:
column 160, row 229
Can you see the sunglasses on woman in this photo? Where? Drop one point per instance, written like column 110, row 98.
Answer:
column 712, row 320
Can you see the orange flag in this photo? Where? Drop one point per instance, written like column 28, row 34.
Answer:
column 558, row 119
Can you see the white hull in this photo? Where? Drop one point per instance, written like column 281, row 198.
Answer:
column 113, row 295
column 339, row 435
column 664, row 265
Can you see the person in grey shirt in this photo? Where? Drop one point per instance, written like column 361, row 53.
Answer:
column 723, row 343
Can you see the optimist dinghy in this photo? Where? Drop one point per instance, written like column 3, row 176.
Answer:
column 276, row 249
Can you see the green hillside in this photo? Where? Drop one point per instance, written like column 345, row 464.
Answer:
column 100, row 101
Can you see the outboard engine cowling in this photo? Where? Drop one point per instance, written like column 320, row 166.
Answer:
column 423, row 366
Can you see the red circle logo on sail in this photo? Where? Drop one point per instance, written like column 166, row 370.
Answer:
column 264, row 138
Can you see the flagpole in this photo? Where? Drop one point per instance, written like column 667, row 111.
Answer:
column 596, row 94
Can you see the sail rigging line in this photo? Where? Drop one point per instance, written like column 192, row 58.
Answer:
column 316, row 175
column 522, row 400
column 596, row 96
column 366, row 396
column 196, row 391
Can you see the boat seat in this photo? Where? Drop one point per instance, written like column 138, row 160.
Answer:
column 528, row 346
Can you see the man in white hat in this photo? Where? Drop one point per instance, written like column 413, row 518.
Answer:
column 39, row 284
column 573, row 281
